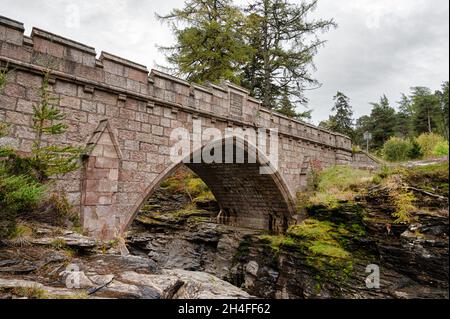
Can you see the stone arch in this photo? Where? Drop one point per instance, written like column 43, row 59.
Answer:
column 246, row 197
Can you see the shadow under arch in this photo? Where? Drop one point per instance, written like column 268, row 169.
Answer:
column 246, row 197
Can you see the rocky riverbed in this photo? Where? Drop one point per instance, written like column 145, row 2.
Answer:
column 177, row 249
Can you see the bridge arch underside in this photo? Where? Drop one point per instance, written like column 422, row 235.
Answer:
column 246, row 197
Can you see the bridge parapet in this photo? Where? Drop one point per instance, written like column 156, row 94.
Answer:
column 75, row 61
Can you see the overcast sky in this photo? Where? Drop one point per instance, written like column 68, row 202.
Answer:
column 380, row 46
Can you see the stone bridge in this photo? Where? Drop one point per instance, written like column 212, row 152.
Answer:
column 126, row 115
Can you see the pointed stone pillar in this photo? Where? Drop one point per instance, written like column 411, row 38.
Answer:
column 99, row 214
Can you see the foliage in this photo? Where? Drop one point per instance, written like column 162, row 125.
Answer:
column 48, row 120
column 397, row 149
column 186, row 182
column 402, row 199
column 285, row 42
column 404, row 204
column 441, row 149
column 422, row 111
column 426, row 109
column 268, row 47
column 22, row 178
column 18, row 194
column 337, row 184
column 287, row 108
column 210, row 47
column 342, row 121
column 314, row 174
column 415, row 151
column 428, row 143
column 383, row 122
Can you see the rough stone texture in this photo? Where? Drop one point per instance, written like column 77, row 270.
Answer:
column 200, row 285
column 131, row 154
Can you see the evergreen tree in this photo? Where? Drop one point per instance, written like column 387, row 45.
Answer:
column 285, row 42
column 342, row 121
column 210, row 46
column 382, row 122
column 444, row 111
column 426, row 110
column 404, row 127
column 287, row 108
column 363, row 124
column 48, row 120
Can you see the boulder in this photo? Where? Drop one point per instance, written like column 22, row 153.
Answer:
column 200, row 285
column 166, row 286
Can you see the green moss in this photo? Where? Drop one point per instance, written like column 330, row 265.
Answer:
column 311, row 229
column 277, row 242
column 328, row 250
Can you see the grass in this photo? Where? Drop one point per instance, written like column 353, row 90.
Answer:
column 39, row 293
column 338, row 184
column 29, row 292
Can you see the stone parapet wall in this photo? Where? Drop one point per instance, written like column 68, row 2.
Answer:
column 77, row 62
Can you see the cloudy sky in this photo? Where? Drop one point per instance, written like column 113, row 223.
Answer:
column 380, row 47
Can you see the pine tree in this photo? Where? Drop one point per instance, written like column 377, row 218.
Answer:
column 288, row 109
column 404, row 127
column 382, row 122
column 210, row 47
column 342, row 121
column 285, row 43
column 443, row 96
column 426, row 108
column 48, row 119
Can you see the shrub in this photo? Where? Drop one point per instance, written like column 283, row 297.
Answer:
column 18, row 194
column 441, row 149
column 396, row 149
column 416, row 151
column 428, row 142
column 314, row 174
